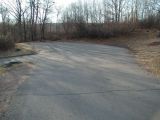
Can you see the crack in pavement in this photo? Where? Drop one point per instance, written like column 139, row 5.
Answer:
column 75, row 83
column 87, row 93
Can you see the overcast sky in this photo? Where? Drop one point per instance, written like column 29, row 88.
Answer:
column 58, row 2
column 61, row 3
column 64, row 2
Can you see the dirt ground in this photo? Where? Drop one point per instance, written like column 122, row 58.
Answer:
column 21, row 49
column 146, row 48
column 144, row 44
column 10, row 79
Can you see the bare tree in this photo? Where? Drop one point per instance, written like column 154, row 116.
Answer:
column 116, row 7
column 58, row 12
column 4, row 16
column 46, row 10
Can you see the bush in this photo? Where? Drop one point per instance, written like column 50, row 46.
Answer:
column 98, row 31
column 152, row 21
column 101, row 30
column 6, row 43
column 53, row 36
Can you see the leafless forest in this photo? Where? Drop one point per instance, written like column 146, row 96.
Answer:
column 31, row 20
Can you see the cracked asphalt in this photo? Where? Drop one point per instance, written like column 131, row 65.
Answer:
column 79, row 81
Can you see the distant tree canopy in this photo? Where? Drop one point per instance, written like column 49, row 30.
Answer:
column 30, row 17
column 110, row 17
column 82, row 18
column 111, row 10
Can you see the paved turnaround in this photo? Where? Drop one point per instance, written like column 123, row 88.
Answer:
column 76, row 81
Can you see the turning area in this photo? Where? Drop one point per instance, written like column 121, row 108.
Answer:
column 76, row 81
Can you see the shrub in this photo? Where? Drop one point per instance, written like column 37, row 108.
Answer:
column 6, row 43
column 152, row 21
column 98, row 31
column 101, row 30
column 53, row 36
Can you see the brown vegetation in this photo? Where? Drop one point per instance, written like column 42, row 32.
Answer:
column 91, row 19
column 20, row 49
column 143, row 43
column 6, row 43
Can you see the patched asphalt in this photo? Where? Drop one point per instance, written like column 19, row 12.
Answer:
column 79, row 81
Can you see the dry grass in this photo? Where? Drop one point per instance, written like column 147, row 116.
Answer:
column 145, row 46
column 143, row 43
column 2, row 70
column 21, row 49
column 146, row 51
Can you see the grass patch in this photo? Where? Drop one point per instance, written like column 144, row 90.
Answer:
column 2, row 70
column 20, row 49
column 156, row 65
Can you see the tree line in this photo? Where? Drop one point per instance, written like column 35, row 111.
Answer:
column 25, row 19
column 110, row 17
column 28, row 20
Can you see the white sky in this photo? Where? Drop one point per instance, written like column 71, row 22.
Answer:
column 63, row 2
column 58, row 3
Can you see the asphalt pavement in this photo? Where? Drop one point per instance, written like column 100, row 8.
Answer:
column 81, row 81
